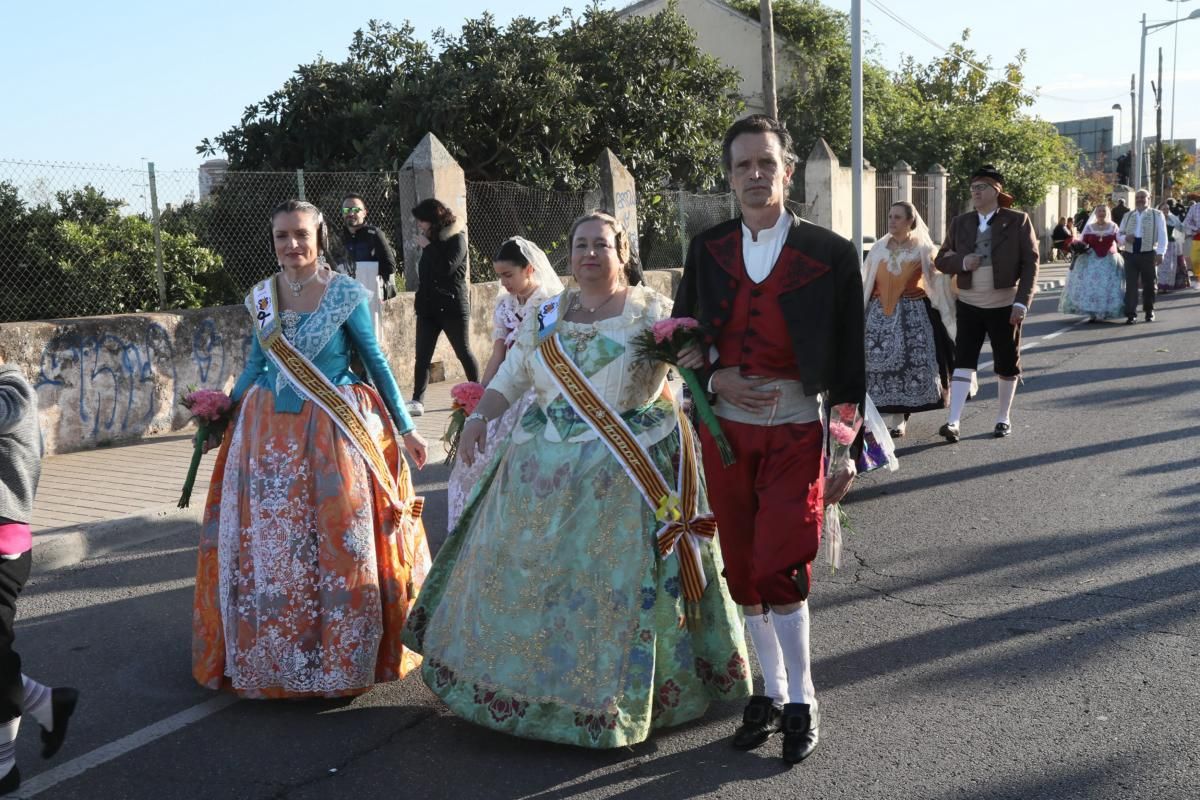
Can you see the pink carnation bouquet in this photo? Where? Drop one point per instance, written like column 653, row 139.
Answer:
column 464, row 397
column 844, row 424
column 210, row 409
column 663, row 342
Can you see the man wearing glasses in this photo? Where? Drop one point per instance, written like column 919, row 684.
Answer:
column 992, row 251
column 366, row 244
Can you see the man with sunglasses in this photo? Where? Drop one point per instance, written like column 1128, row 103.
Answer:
column 366, row 243
column 992, row 252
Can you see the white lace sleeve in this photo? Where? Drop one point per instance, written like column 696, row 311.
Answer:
column 515, row 375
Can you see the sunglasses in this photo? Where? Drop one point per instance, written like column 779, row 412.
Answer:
column 349, row 211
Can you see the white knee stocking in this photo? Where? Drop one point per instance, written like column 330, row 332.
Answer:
column 792, row 632
column 960, row 388
column 8, row 745
column 761, row 630
column 1007, row 389
column 37, row 702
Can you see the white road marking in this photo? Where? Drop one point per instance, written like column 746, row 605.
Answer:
column 105, row 753
column 1035, row 342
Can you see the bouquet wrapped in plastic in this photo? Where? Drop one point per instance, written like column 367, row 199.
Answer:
column 210, row 408
column 663, row 342
column 464, row 396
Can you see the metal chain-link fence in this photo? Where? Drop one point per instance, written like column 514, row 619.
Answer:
column 80, row 240
column 499, row 210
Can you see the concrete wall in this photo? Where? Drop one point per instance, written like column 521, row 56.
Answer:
column 111, row 379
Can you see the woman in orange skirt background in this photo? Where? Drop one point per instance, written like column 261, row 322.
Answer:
column 311, row 547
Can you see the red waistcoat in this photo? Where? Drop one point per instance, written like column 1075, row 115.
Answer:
column 756, row 337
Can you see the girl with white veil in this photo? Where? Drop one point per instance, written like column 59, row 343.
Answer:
column 1095, row 284
column 526, row 279
column 910, row 321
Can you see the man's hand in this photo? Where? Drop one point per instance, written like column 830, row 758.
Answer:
column 744, row 393
column 838, row 481
column 1017, row 316
column 971, row 262
column 1158, row 260
column 691, row 357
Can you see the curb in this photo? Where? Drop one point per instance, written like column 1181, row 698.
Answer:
column 58, row 548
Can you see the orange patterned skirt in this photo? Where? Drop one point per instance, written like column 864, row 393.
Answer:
column 305, row 575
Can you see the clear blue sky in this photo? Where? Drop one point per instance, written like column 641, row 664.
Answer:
column 86, row 83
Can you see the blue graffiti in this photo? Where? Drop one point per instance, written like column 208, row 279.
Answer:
column 124, row 365
column 205, row 340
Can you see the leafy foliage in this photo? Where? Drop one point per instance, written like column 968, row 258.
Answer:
column 535, row 102
column 84, row 257
column 944, row 112
column 1179, row 167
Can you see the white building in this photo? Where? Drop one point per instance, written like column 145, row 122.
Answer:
column 733, row 39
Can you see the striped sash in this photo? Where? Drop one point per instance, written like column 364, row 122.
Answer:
column 312, row 384
column 684, row 531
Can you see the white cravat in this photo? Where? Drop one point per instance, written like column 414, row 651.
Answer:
column 760, row 256
column 984, row 221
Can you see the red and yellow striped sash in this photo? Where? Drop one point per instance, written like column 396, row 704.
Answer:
column 684, row 531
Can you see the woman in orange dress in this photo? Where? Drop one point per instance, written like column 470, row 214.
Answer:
column 910, row 321
column 311, row 548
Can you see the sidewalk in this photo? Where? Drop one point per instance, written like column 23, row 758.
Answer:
column 95, row 501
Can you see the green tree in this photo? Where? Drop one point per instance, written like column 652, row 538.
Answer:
column 83, row 257
column 950, row 113
column 533, row 101
column 1179, row 168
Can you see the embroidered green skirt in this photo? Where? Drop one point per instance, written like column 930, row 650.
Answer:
column 548, row 613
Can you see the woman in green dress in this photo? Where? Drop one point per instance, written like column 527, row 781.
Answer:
column 551, row 612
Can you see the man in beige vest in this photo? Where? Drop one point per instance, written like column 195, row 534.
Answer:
column 992, row 253
column 1143, row 240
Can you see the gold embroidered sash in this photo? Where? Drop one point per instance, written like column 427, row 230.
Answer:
column 315, row 387
column 684, row 532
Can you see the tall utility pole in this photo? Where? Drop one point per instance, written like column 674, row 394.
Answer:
column 856, row 126
column 1133, row 123
column 767, row 23
column 1138, row 178
column 1161, row 183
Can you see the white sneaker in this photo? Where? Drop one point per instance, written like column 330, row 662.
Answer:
column 415, row 409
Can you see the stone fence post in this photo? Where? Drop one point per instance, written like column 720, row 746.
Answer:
column 617, row 195
column 430, row 171
column 903, row 174
column 937, row 203
column 823, row 189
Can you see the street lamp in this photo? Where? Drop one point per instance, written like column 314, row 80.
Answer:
column 1137, row 144
column 1175, row 65
column 1117, row 108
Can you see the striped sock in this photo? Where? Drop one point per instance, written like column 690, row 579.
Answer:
column 37, row 702
column 8, row 745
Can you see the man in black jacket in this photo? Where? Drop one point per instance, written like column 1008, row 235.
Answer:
column 366, row 243
column 781, row 300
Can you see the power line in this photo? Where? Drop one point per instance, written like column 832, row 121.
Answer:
column 1036, row 92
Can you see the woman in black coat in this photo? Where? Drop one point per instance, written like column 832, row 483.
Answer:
column 442, row 302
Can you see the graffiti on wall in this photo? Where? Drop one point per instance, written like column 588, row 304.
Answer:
column 119, row 382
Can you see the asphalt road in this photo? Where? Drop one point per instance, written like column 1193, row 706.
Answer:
column 1017, row 619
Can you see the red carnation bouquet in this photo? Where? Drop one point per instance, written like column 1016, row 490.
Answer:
column 464, row 396
column 210, row 409
column 663, row 342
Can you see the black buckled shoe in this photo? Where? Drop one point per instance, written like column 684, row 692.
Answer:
column 950, row 432
column 1150, row 316
column 62, row 704
column 10, row 782
column 760, row 721
column 801, row 725
column 1130, row 320
column 1002, row 429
